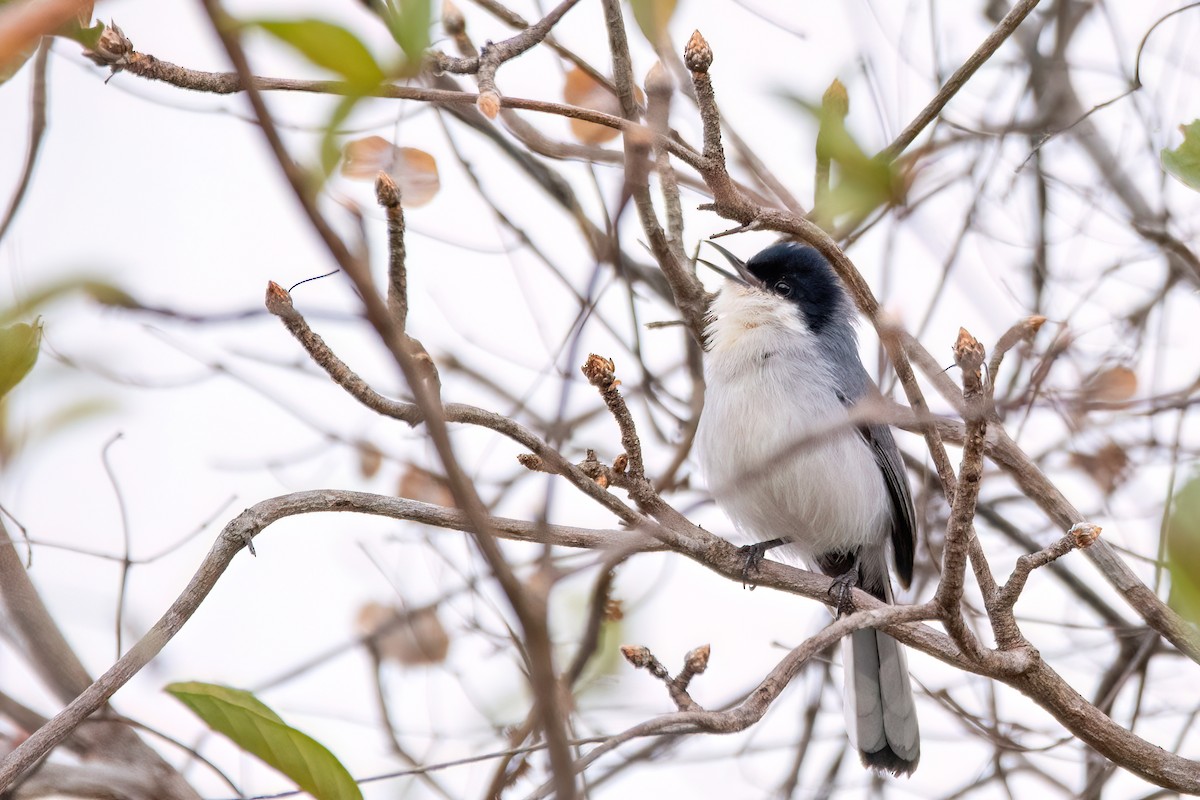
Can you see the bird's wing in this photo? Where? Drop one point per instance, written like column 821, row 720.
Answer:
column 853, row 384
column 904, row 522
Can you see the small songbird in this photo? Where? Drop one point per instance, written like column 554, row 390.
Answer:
column 782, row 459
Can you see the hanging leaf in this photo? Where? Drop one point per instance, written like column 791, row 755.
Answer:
column 652, row 17
column 1184, row 161
column 408, row 638
column 421, row 484
column 582, row 90
column 328, row 46
column 1111, row 385
column 862, row 183
column 330, row 151
column 414, row 171
column 1109, row 466
column 409, row 22
column 370, row 458
column 1183, row 550
column 19, row 345
column 258, row 730
column 26, row 25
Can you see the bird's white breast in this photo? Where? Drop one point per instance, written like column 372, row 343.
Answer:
column 772, row 441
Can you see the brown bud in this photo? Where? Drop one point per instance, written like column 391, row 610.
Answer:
column 112, row 48
column 387, row 192
column 1084, row 533
column 599, row 371
column 620, row 463
column 968, row 352
column 696, row 661
column 697, row 55
column 279, row 302
column 531, row 462
column 602, row 481
column 488, row 104
column 636, row 655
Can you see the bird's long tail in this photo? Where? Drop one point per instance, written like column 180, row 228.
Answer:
column 881, row 716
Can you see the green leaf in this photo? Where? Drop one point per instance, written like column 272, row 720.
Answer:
column 863, row 183
column 409, row 22
column 1184, row 161
column 258, row 730
column 329, row 46
column 652, row 17
column 19, row 345
column 86, row 36
column 331, row 151
column 1183, row 550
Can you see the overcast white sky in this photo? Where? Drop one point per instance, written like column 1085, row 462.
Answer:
column 175, row 198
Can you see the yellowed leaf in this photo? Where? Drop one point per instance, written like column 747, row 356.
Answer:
column 413, row 170
column 408, row 638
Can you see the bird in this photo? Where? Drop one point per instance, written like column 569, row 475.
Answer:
column 783, row 459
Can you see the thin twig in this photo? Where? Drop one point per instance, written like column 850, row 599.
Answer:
column 37, row 128
column 991, row 44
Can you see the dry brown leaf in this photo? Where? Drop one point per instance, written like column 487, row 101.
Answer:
column 370, row 458
column 582, row 90
column 1112, row 385
column 413, row 170
column 405, row 638
column 1108, row 466
column 423, row 485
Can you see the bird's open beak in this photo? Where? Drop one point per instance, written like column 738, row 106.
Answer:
column 742, row 275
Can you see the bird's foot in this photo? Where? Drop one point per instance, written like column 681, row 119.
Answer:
column 842, row 591
column 753, row 556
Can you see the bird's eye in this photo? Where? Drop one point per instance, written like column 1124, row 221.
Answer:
column 783, row 289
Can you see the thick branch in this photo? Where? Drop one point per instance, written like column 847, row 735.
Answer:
column 968, row 355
